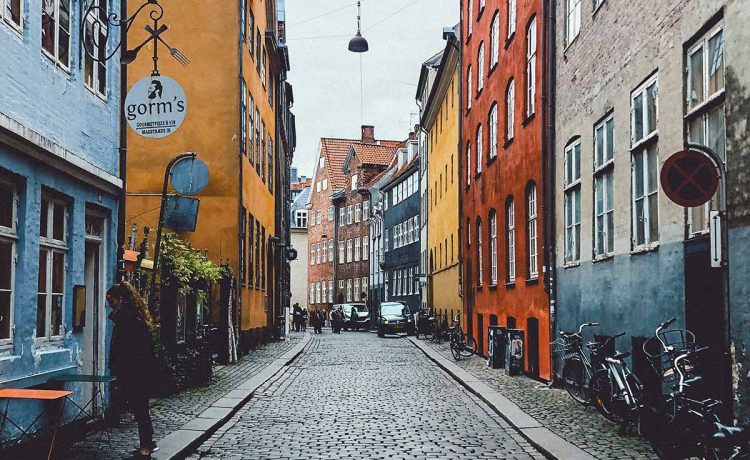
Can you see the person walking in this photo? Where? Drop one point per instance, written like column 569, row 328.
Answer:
column 132, row 362
column 354, row 321
column 304, row 319
column 297, row 317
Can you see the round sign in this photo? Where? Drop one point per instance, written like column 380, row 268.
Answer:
column 155, row 106
column 689, row 178
column 189, row 176
column 291, row 254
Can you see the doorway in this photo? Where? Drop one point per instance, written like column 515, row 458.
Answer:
column 93, row 324
column 480, row 334
column 532, row 331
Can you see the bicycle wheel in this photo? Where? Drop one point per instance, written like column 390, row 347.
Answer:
column 574, row 380
column 470, row 346
column 607, row 399
column 456, row 348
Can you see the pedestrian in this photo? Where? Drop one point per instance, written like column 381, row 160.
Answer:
column 331, row 315
column 354, row 318
column 321, row 320
column 131, row 362
column 297, row 317
column 304, row 319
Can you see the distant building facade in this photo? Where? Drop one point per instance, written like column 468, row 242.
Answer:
column 298, row 232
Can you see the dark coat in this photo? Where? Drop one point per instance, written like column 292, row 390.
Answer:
column 131, row 353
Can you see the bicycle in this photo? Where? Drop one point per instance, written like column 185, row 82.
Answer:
column 615, row 391
column 577, row 370
column 462, row 345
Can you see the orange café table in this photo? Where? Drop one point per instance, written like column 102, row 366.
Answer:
column 37, row 395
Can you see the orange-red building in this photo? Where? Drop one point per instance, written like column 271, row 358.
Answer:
column 502, row 126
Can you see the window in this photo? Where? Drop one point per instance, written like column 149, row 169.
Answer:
column 479, row 149
column 573, row 20
column 365, row 248
column 251, row 128
column 531, row 68
column 318, row 217
column 493, row 247
column 480, row 264
column 470, row 87
column 250, row 253
column 51, row 282
column 325, row 184
column 645, row 205
column 321, row 162
column 243, row 253
column 471, row 18
column 572, row 202
column 349, row 255
column 354, row 182
column 257, row 253
column 258, row 138
column 330, row 287
column 331, row 211
column 330, row 250
column 494, row 43
column 312, row 254
column 95, row 73
column 348, row 290
column 317, row 292
column 510, row 102
column 324, row 250
column 312, row 292
column 8, row 238
column 251, row 27
column 604, row 225
column 492, row 123
column 532, row 263
column 356, row 289
column 56, row 31
column 263, row 69
column 257, row 49
column 12, row 11
column 357, row 212
column 511, row 239
column 705, row 108
column 366, row 210
column 342, row 259
column 511, row 18
column 357, row 249
column 364, row 285
column 348, row 215
column 480, row 68
column 341, row 217
column 468, row 164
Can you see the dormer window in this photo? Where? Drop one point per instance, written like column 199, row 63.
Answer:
column 354, row 182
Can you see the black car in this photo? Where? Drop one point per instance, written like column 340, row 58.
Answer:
column 394, row 317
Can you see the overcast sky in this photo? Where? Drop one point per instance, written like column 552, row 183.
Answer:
column 326, row 76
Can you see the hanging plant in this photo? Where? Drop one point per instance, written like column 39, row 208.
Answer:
column 184, row 265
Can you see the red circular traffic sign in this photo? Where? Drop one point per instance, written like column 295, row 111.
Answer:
column 689, row 178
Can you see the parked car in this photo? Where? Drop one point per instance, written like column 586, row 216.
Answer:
column 363, row 316
column 394, row 317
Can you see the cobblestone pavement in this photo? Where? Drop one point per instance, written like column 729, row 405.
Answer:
column 556, row 410
column 171, row 413
column 357, row 396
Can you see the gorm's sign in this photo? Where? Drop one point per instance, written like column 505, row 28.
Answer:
column 155, row 106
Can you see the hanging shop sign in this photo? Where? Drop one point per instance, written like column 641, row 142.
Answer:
column 155, row 106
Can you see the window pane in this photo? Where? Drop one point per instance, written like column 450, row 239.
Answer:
column 42, row 280
column 577, row 161
column 609, row 180
column 638, row 173
column 577, row 205
column 13, row 11
column 638, row 118
column 653, row 218
column 58, row 272
column 716, row 63
column 610, row 231
column 63, row 46
column 6, row 206
column 696, row 131
column 57, row 303
column 5, row 315
column 600, row 234
column 43, row 216
column 640, row 227
column 41, row 315
column 695, row 95
column 610, row 140
column 58, row 222
column 716, row 131
column 48, row 26
column 651, row 94
column 6, row 264
column 651, row 175
column 599, row 135
column 599, row 201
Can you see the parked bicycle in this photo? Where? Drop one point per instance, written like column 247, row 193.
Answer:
column 425, row 323
column 441, row 332
column 578, row 369
column 462, row 345
column 616, row 391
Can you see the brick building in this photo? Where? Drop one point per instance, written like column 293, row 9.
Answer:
column 501, row 164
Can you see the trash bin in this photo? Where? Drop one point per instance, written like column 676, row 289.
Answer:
column 514, row 351
column 496, row 351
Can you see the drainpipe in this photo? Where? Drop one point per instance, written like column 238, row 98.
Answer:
column 548, row 168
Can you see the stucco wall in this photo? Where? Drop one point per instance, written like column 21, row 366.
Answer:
column 299, row 286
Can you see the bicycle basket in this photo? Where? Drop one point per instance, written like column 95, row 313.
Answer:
column 677, row 341
column 567, row 346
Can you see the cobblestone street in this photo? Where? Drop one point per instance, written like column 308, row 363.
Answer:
column 169, row 414
column 357, row 396
column 557, row 411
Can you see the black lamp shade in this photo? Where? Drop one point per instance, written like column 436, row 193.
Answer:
column 358, row 44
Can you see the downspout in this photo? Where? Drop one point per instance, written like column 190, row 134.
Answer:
column 123, row 148
column 548, row 169
column 240, row 179
column 460, row 85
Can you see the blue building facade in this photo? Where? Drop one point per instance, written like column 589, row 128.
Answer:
column 401, row 207
column 59, row 192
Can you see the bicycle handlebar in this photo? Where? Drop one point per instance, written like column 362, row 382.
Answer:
column 667, row 323
column 585, row 325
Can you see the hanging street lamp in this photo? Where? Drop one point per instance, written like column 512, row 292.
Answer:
column 358, row 44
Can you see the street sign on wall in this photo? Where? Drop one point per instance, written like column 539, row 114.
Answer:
column 689, row 178
column 714, row 222
column 189, row 176
column 155, row 106
column 181, row 213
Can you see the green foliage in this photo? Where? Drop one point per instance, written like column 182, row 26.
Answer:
column 182, row 264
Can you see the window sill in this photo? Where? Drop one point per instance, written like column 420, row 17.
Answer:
column 478, row 288
column 651, row 247
column 598, row 7
column 508, row 143
column 528, row 119
column 481, row 12
column 15, row 28
column 492, row 160
column 651, row 138
column 493, row 287
column 509, row 39
column 477, row 176
column 532, row 281
column 492, row 69
column 479, row 92
column 567, row 265
column 568, row 45
column 602, row 258
column 510, row 285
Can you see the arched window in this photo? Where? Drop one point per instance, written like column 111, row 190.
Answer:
column 468, row 164
column 510, row 241
column 532, row 259
column 479, row 149
column 471, row 18
column 510, row 102
column 493, row 247
column 494, row 42
column 470, row 87
column 572, row 203
column 531, row 67
column 511, row 17
column 492, row 123
column 480, row 67
column 480, row 273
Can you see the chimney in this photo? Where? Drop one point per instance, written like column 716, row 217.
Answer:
column 368, row 134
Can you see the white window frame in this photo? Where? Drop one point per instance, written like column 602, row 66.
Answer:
column 642, row 155
column 572, row 192
column 54, row 57
column 531, row 50
column 510, row 102
column 9, row 235
column 470, row 21
column 470, row 92
column 342, row 218
column 511, row 18
column 510, row 213
column 349, row 247
column 349, row 215
column 53, row 246
column 357, row 212
column 495, row 40
column 642, row 92
column 330, row 289
column 468, row 164
column 312, row 292
column 479, row 149
column 96, row 26
column 480, row 68
column 492, row 123
column 354, row 182
column 365, row 248
column 18, row 27
column 331, row 212
column 330, row 250
column 493, row 248
column 480, row 265
column 532, row 231
column 349, row 290
column 342, row 258
column 572, row 20
column 357, row 249
column 604, row 160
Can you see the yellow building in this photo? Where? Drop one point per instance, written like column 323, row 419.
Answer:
column 231, row 85
column 439, row 93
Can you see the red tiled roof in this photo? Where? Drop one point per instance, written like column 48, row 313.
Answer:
column 374, row 154
column 301, row 185
column 335, row 151
column 402, row 169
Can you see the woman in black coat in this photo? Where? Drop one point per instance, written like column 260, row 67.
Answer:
column 131, row 361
